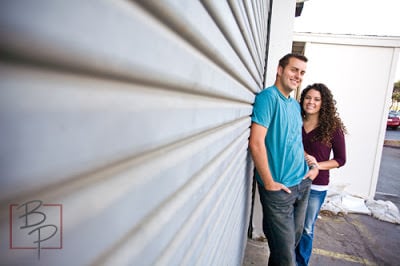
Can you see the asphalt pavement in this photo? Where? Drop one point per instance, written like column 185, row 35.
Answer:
column 353, row 239
column 388, row 187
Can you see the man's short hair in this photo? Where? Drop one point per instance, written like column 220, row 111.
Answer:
column 284, row 61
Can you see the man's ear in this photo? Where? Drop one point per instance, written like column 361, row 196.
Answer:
column 279, row 71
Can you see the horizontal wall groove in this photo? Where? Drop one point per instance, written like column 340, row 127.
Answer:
column 208, row 205
column 201, row 249
column 14, row 59
column 182, row 64
column 53, row 191
column 160, row 11
column 244, row 29
column 248, row 9
column 187, row 196
column 38, row 112
column 221, row 235
column 205, row 214
column 214, row 9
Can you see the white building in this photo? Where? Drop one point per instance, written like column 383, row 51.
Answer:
column 360, row 71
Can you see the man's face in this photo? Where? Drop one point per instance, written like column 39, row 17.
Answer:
column 291, row 76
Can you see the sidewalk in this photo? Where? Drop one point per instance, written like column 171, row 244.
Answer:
column 352, row 239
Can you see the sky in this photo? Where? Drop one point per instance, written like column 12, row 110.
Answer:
column 365, row 17
column 360, row 17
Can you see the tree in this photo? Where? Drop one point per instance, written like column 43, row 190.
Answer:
column 396, row 93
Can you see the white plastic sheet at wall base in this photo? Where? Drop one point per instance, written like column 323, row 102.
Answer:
column 384, row 210
column 339, row 201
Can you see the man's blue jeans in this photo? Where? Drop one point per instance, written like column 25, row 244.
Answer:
column 283, row 221
column 304, row 248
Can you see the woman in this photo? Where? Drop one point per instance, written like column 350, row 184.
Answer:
column 323, row 132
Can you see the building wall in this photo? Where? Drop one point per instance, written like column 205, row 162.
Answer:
column 127, row 124
column 280, row 36
column 359, row 70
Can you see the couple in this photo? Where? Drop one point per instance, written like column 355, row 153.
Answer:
column 291, row 146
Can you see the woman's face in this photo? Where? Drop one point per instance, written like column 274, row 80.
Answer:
column 312, row 102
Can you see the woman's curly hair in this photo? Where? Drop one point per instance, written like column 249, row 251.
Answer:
column 329, row 120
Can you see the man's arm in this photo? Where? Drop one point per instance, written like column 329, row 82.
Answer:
column 259, row 154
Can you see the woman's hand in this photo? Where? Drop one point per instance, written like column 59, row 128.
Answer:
column 311, row 160
column 312, row 173
column 314, row 167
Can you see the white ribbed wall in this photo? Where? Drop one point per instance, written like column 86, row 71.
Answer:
column 134, row 115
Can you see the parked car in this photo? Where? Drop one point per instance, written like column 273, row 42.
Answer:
column 393, row 120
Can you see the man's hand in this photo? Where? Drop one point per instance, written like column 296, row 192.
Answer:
column 275, row 186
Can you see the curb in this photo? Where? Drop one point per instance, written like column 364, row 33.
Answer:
column 391, row 143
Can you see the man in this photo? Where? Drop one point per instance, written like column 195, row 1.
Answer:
column 283, row 175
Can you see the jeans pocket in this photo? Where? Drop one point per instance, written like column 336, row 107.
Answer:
column 307, row 180
column 279, row 198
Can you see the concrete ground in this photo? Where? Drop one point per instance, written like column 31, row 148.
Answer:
column 352, row 239
column 388, row 187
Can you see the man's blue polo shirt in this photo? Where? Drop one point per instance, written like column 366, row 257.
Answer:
column 281, row 116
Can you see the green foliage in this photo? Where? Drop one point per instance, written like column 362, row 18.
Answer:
column 396, row 92
column 396, row 85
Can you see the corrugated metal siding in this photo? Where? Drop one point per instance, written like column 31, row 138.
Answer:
column 134, row 115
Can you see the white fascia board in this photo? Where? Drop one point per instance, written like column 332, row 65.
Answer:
column 349, row 39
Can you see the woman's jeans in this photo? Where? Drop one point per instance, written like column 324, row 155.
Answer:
column 304, row 248
column 283, row 221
